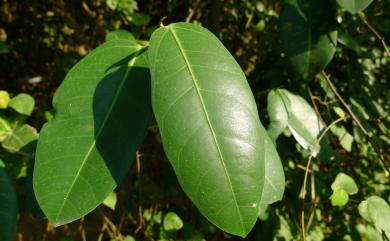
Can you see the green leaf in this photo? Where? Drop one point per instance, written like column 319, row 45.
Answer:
column 274, row 175
column 172, row 222
column 292, row 111
column 4, row 99
column 308, row 35
column 277, row 113
column 102, row 114
column 5, row 129
column 19, row 137
column 22, row 103
column 354, row 6
column 110, row 201
column 209, row 124
column 343, row 181
column 376, row 211
column 345, row 139
column 339, row 197
column 120, row 34
column 8, row 208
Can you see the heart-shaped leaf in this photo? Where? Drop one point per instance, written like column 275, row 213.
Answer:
column 22, row 103
column 376, row 211
column 308, row 35
column 102, row 114
column 8, row 208
column 209, row 124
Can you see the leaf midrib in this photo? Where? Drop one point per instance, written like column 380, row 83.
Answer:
column 116, row 96
column 193, row 78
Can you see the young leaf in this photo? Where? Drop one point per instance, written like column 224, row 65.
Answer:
column 354, row 6
column 4, row 99
column 22, row 103
column 209, row 124
column 172, row 222
column 343, row 181
column 339, row 197
column 302, row 120
column 102, row 114
column 8, row 208
column 308, row 35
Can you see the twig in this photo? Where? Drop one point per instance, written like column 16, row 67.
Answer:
column 356, row 120
column 373, row 30
column 303, row 190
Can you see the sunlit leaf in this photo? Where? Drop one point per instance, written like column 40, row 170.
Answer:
column 19, row 137
column 343, row 181
column 22, row 103
column 4, row 99
column 376, row 211
column 292, row 111
column 209, row 124
column 102, row 114
column 172, row 222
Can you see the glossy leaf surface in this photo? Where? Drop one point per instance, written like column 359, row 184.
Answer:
column 102, row 114
column 289, row 110
column 8, row 208
column 308, row 35
column 209, row 124
column 354, row 6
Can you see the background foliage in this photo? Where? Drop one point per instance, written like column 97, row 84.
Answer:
column 41, row 40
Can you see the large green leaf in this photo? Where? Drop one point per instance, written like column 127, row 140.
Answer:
column 274, row 175
column 289, row 110
column 209, row 124
column 8, row 208
column 308, row 35
column 102, row 114
column 354, row 6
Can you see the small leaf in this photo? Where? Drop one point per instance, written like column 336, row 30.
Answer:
column 209, row 124
column 302, row 120
column 129, row 238
column 102, row 114
column 339, row 197
column 308, row 35
column 354, row 6
column 8, row 208
column 110, row 201
column 345, row 139
column 19, row 137
column 345, row 182
column 4, row 99
column 22, row 103
column 172, row 222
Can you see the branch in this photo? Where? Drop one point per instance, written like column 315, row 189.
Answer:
column 373, row 30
